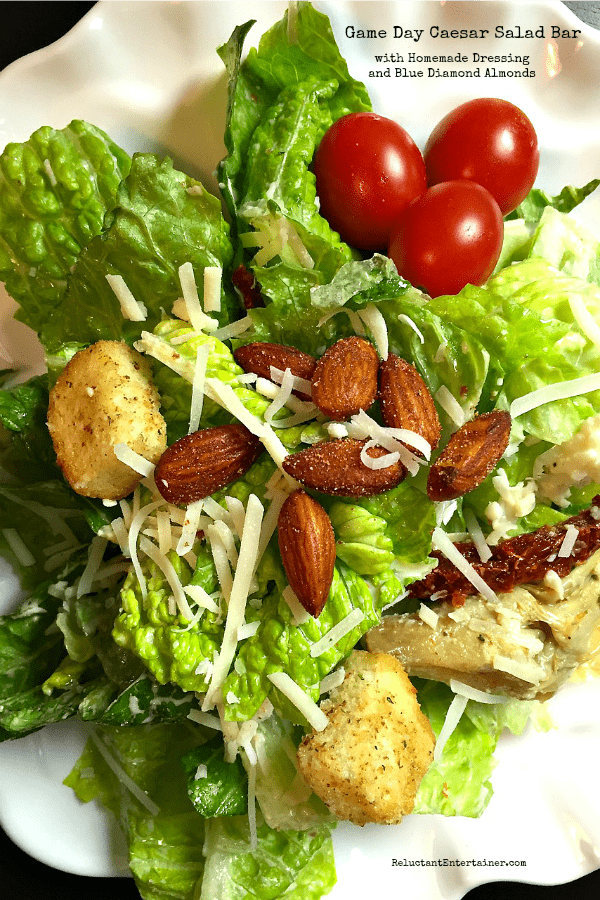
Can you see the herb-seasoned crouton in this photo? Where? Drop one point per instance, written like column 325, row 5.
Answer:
column 103, row 397
column 368, row 762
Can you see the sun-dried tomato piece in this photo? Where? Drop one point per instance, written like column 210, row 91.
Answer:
column 249, row 288
column 521, row 559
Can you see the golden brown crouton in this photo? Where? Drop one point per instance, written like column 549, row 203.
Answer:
column 103, row 397
column 368, row 762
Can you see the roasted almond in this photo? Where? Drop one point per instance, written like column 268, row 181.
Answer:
column 406, row 401
column 260, row 356
column 203, row 462
column 345, row 378
column 307, row 547
column 336, row 467
column 471, row 454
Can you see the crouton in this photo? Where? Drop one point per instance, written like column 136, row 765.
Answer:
column 368, row 762
column 104, row 397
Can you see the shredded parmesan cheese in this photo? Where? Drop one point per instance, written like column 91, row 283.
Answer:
column 283, row 394
column 248, row 630
column 362, row 425
column 200, row 321
column 197, row 593
column 50, row 172
column 134, row 460
column 376, row 324
column 299, row 615
column 335, row 634
column 95, row 557
column 450, row 405
column 18, row 547
column 477, row 535
column 566, row 548
column 309, row 709
column 380, row 462
column 415, row 328
column 221, row 561
column 204, row 718
column 442, row 543
column 197, row 403
column 299, row 384
column 453, row 716
column 190, row 528
column 526, row 671
column 130, row 308
column 212, row 288
column 233, row 329
column 239, row 595
column 559, row 391
column 333, row 680
column 429, row 616
column 471, row 693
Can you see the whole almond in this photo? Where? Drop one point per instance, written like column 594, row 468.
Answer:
column 345, row 378
column 406, row 401
column 335, row 467
column 307, row 547
column 259, row 356
column 203, row 462
column 471, row 454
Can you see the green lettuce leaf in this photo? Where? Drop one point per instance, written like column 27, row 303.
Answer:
column 279, row 645
column 293, row 51
column 176, row 854
column 285, row 800
column 165, row 848
column 162, row 220
column 536, row 202
column 459, row 783
column 55, row 190
column 524, row 318
column 26, row 450
column 30, row 649
column 222, row 789
column 295, row 865
column 169, row 646
column 46, row 515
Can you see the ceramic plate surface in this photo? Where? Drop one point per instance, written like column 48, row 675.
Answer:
column 148, row 73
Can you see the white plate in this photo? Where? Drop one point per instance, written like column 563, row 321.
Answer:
column 148, row 74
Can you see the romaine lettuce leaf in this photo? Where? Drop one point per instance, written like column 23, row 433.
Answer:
column 50, row 520
column 26, row 450
column 176, row 854
column 279, row 645
column 520, row 225
column 161, row 220
column 222, row 788
column 285, row 799
column 524, row 318
column 30, row 649
column 169, row 646
column 55, row 190
column 459, row 783
column 300, row 47
column 291, row 865
column 165, row 849
column 537, row 201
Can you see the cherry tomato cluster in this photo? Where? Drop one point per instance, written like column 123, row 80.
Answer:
column 440, row 213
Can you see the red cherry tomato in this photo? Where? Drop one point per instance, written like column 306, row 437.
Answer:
column 489, row 141
column 449, row 237
column 368, row 170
